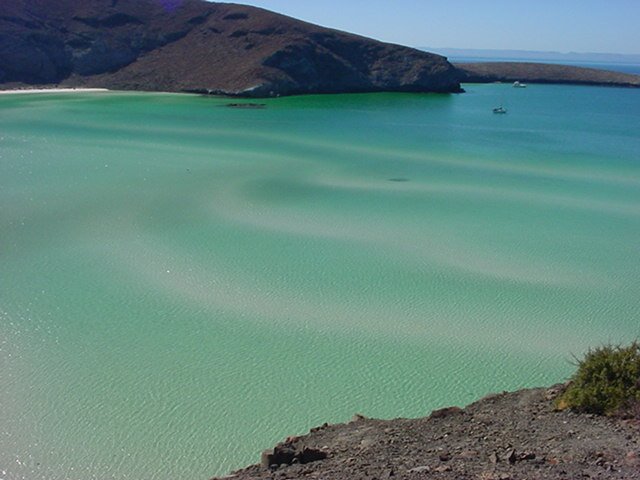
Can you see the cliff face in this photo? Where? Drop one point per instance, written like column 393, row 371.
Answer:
column 193, row 45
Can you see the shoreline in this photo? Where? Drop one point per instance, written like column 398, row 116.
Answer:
column 504, row 436
column 19, row 91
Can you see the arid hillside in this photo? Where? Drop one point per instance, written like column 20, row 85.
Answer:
column 197, row 46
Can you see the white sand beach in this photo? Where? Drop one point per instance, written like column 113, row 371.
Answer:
column 52, row 90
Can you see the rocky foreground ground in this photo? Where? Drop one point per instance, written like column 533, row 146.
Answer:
column 501, row 437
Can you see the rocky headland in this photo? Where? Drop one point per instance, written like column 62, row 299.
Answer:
column 198, row 46
column 488, row 72
column 506, row 436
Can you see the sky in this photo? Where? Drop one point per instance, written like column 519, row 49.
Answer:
column 602, row 26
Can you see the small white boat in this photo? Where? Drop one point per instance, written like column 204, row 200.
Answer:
column 500, row 109
column 517, row 84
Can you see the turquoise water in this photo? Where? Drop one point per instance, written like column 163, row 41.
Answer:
column 183, row 284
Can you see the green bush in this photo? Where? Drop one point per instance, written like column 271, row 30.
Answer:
column 607, row 382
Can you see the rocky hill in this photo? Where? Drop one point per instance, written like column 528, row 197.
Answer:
column 197, row 46
column 486, row 72
column 501, row 437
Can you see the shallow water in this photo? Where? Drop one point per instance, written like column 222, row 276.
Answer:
column 184, row 284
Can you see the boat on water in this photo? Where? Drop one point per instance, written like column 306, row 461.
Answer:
column 500, row 109
column 517, row 84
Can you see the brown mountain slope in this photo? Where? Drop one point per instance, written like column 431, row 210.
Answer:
column 193, row 45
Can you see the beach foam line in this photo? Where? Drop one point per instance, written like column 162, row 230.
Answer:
column 52, row 90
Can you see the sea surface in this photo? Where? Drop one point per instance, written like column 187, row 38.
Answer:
column 184, row 284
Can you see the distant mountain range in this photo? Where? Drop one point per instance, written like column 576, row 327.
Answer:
column 198, row 46
column 534, row 72
column 529, row 55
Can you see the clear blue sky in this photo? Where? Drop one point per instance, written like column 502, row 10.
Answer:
column 605, row 26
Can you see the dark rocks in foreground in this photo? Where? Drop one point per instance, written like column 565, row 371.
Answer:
column 197, row 46
column 487, row 72
column 501, row 437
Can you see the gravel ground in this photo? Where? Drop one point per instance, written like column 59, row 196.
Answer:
column 509, row 436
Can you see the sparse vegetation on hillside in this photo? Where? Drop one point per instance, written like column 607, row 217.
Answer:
column 607, row 382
